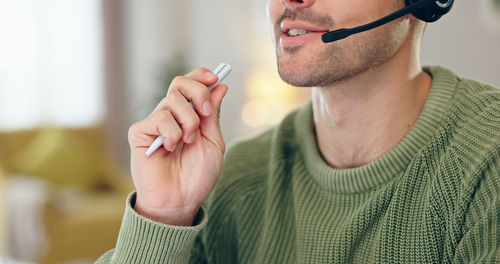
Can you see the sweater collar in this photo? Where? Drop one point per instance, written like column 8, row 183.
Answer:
column 391, row 164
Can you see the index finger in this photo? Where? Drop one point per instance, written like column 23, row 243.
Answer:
column 203, row 75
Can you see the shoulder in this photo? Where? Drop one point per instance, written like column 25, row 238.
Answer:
column 470, row 135
column 471, row 124
column 475, row 97
column 469, row 95
column 475, row 116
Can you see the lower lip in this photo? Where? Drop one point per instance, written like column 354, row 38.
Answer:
column 287, row 41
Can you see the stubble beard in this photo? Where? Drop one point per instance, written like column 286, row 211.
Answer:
column 337, row 63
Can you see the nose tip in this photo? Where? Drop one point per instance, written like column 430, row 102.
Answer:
column 297, row 3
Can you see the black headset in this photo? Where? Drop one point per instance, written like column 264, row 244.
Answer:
column 431, row 12
column 426, row 10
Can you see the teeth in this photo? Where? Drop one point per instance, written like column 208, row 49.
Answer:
column 297, row 31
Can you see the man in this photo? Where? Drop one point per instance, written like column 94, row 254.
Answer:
column 388, row 163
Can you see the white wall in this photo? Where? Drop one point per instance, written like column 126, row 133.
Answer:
column 465, row 41
column 50, row 63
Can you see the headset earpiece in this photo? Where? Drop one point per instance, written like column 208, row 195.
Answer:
column 433, row 11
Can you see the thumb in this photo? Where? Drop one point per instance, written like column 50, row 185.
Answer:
column 210, row 125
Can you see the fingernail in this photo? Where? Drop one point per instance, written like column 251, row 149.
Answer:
column 207, row 108
column 191, row 138
column 211, row 75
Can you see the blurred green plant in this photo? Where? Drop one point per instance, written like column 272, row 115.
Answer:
column 495, row 4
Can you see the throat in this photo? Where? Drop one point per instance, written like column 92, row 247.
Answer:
column 354, row 130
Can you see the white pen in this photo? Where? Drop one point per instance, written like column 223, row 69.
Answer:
column 222, row 71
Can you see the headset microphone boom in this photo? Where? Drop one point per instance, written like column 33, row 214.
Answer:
column 426, row 10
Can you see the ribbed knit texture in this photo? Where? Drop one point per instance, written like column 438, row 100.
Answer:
column 144, row 241
column 434, row 198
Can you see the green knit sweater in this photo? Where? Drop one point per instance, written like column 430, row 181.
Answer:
column 434, row 198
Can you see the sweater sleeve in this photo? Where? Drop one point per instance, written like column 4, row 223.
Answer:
column 481, row 242
column 142, row 240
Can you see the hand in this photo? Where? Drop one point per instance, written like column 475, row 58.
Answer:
column 176, row 179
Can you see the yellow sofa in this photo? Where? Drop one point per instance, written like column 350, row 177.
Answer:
column 3, row 224
column 87, row 188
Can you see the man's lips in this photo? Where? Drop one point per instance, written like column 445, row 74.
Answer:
column 313, row 32
column 287, row 25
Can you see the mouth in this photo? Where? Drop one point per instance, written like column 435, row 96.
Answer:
column 298, row 33
column 294, row 32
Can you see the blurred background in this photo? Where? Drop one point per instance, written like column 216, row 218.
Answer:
column 75, row 74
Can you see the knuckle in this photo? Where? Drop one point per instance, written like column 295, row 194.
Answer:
column 136, row 128
column 192, row 122
column 162, row 116
column 198, row 71
column 182, row 78
column 174, row 135
column 177, row 80
column 132, row 128
column 202, row 90
column 132, row 131
column 175, row 84
column 199, row 93
column 177, row 133
column 172, row 97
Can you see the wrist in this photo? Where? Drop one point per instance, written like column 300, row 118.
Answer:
column 175, row 217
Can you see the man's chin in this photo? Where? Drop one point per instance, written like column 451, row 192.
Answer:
column 296, row 77
column 303, row 67
column 295, row 73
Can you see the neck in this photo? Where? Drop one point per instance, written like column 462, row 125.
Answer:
column 361, row 119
